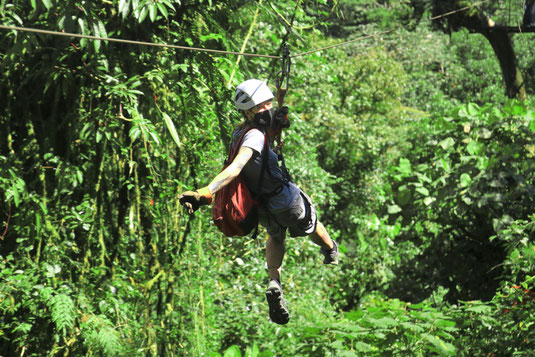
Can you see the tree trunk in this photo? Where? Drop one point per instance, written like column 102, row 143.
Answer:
column 503, row 48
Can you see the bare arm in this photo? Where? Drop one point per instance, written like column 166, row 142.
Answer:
column 232, row 171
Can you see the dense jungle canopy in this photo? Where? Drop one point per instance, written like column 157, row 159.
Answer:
column 412, row 131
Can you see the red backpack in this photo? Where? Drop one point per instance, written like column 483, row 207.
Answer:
column 235, row 210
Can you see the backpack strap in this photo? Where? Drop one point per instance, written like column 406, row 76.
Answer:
column 265, row 157
column 235, row 146
column 233, row 152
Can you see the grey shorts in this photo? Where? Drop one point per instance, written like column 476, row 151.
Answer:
column 300, row 219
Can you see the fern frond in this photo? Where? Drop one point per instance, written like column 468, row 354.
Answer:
column 100, row 335
column 63, row 312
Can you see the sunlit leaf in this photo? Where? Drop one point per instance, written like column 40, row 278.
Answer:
column 171, row 127
column 422, row 190
column 124, row 6
column 405, row 166
column 441, row 345
column 48, row 4
column 162, row 9
column 429, row 200
column 102, row 29
column 153, row 11
column 232, row 351
column 465, row 180
column 363, row 347
column 143, row 14
column 485, row 133
column 393, row 209
column 447, row 143
column 472, row 109
column 96, row 32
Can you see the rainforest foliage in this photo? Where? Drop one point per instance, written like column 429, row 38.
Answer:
column 419, row 164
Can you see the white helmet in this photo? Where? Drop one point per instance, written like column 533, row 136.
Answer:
column 250, row 93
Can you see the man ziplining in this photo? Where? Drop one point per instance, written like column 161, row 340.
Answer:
column 283, row 206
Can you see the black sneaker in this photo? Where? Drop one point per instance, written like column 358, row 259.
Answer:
column 278, row 312
column 331, row 255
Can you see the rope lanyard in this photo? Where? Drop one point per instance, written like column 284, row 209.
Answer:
column 283, row 76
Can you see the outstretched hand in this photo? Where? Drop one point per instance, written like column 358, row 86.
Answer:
column 192, row 200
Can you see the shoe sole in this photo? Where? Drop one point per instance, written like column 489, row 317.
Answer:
column 278, row 312
column 333, row 262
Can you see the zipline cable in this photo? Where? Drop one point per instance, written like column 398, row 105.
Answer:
column 152, row 44
column 343, row 43
column 458, row 10
column 132, row 42
column 387, row 31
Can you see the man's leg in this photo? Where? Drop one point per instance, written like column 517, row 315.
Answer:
column 278, row 312
column 329, row 248
column 275, row 250
column 321, row 237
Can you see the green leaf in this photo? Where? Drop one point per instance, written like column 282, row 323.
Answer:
column 411, row 326
column 442, row 346
column 232, row 351
column 445, row 165
column 485, row 133
column 393, row 209
column 423, row 191
column 48, row 4
column 162, row 9
column 429, row 200
column 404, row 195
column 153, row 11
column 16, row 197
column 532, row 125
column 171, row 127
column 465, row 180
column 96, row 32
column 79, row 176
column 143, row 14
column 363, row 347
column 474, row 147
column 384, row 322
column 478, row 309
column 135, row 133
column 519, row 109
column 252, row 352
column 447, row 143
column 472, row 109
column 404, row 166
column 63, row 312
column 155, row 137
column 124, row 6
column 102, row 29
